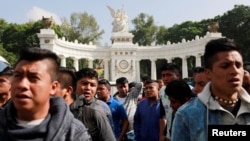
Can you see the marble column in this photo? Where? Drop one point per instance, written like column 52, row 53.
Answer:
column 90, row 64
column 137, row 68
column 153, row 69
column 63, row 61
column 198, row 60
column 76, row 64
column 184, row 67
column 106, row 69
column 113, row 70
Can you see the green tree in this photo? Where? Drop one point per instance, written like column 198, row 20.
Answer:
column 82, row 27
column 17, row 37
column 3, row 26
column 145, row 30
column 235, row 24
column 161, row 36
column 144, row 34
column 186, row 30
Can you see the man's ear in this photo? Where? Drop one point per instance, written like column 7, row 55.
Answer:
column 208, row 73
column 54, row 87
column 69, row 91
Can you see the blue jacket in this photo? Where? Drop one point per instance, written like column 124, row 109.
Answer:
column 192, row 119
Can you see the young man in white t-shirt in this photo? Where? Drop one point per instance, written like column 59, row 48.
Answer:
column 129, row 99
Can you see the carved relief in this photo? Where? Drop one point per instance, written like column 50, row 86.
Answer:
column 123, row 66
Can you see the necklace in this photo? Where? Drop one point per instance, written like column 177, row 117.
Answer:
column 226, row 101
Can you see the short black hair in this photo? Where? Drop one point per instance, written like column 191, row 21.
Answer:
column 36, row 54
column 198, row 69
column 218, row 45
column 121, row 80
column 86, row 72
column 66, row 77
column 180, row 90
column 145, row 78
column 170, row 67
column 105, row 82
column 152, row 81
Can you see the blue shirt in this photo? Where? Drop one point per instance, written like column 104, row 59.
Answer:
column 118, row 114
column 146, row 121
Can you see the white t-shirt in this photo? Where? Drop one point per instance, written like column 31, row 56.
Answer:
column 121, row 99
column 168, row 110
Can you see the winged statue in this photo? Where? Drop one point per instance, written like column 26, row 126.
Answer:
column 120, row 23
column 112, row 11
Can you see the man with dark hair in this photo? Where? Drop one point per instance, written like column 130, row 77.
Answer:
column 223, row 101
column 169, row 72
column 119, row 114
column 67, row 84
column 129, row 99
column 200, row 79
column 94, row 113
column 147, row 115
column 179, row 92
column 144, row 79
column 32, row 114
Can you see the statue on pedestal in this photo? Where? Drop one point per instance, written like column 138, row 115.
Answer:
column 120, row 23
column 47, row 22
column 213, row 27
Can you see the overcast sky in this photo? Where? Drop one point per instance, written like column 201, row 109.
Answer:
column 165, row 12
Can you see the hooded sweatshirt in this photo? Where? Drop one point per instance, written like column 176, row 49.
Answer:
column 59, row 125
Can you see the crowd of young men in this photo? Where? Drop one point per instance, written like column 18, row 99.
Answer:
column 40, row 100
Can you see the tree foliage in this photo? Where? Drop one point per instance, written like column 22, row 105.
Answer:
column 145, row 30
column 82, row 27
column 161, row 36
column 186, row 30
column 235, row 24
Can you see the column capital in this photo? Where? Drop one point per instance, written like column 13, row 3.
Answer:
column 199, row 54
column 74, row 58
column 153, row 59
column 106, row 59
column 185, row 57
column 62, row 56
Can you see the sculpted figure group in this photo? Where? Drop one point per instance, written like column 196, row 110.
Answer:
column 120, row 23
